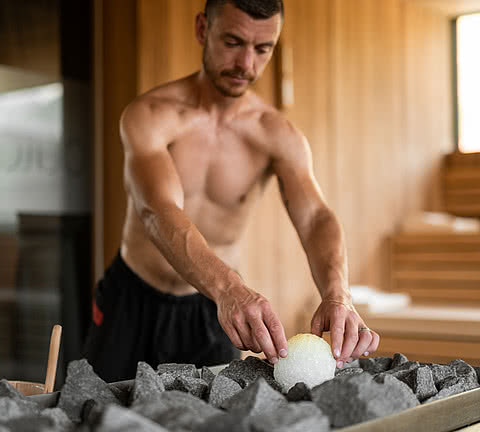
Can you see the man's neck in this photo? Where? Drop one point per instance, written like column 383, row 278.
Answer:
column 213, row 101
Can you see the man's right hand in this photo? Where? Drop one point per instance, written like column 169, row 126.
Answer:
column 250, row 323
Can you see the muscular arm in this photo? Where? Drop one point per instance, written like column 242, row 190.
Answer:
column 155, row 187
column 153, row 183
column 323, row 241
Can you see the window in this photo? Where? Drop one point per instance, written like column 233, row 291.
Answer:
column 468, row 82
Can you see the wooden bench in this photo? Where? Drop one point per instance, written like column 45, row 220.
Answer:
column 461, row 184
column 437, row 268
column 436, row 334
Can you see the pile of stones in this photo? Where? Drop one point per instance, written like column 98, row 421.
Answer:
column 242, row 397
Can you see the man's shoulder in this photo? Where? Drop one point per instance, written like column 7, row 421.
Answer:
column 165, row 100
column 163, row 108
column 279, row 131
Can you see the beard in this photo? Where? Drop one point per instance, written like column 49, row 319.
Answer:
column 216, row 78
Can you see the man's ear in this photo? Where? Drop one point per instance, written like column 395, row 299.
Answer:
column 201, row 27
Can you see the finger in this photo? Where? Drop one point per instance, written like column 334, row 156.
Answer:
column 243, row 330
column 235, row 338
column 277, row 333
column 337, row 330
column 317, row 325
column 350, row 339
column 373, row 344
column 364, row 340
column 256, row 348
column 262, row 336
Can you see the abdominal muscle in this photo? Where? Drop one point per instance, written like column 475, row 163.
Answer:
column 144, row 258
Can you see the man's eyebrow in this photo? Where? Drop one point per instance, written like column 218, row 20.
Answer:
column 239, row 39
column 233, row 36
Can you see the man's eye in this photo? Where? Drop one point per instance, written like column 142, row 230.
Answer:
column 263, row 50
column 231, row 44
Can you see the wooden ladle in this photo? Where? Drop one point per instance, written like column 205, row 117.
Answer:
column 53, row 358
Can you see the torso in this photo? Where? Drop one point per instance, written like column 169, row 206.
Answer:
column 223, row 167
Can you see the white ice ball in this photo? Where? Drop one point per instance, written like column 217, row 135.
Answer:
column 309, row 360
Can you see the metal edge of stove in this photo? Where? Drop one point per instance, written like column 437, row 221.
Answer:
column 444, row 415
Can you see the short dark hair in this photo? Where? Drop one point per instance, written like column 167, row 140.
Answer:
column 257, row 9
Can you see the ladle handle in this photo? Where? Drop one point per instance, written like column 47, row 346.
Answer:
column 53, row 358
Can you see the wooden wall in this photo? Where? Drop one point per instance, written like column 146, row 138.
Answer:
column 372, row 94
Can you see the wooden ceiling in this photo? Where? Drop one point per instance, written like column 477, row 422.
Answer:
column 451, row 8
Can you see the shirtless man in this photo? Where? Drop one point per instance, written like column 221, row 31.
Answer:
column 198, row 153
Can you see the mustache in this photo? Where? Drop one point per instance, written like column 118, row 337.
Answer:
column 237, row 74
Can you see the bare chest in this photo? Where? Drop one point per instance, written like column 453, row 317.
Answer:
column 221, row 167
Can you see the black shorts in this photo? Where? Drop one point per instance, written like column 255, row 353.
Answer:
column 132, row 322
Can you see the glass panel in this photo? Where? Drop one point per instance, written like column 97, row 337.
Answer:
column 45, row 177
column 468, row 65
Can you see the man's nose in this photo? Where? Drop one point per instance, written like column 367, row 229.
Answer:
column 245, row 59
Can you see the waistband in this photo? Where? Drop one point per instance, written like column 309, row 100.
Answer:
column 120, row 269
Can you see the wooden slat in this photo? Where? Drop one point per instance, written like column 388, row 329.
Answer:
column 454, row 238
column 439, row 257
column 428, row 349
column 435, row 266
column 453, row 296
column 438, row 275
column 461, row 178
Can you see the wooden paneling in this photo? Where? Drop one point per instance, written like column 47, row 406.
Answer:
column 30, row 36
column 372, row 95
column 450, row 8
column 119, row 63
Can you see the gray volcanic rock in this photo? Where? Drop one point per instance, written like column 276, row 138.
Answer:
column 403, row 370
column 24, row 405
column 299, row 392
column 10, row 409
column 83, row 384
column 246, row 372
column 351, row 399
column 169, row 372
column 477, row 371
column 398, row 359
column 297, row 417
column 195, row 386
column 465, row 371
column 374, row 365
column 421, row 382
column 441, row 372
column 207, row 375
column 222, row 389
column 257, row 398
column 59, row 418
column 223, row 422
column 178, row 369
column 147, row 385
column 30, row 423
column 452, row 386
column 119, row 419
column 349, row 371
column 177, row 410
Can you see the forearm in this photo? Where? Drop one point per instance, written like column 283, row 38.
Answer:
column 186, row 250
column 326, row 252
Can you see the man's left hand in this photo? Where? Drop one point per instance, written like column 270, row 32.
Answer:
column 350, row 337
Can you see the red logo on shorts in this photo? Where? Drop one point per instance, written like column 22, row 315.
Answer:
column 97, row 315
